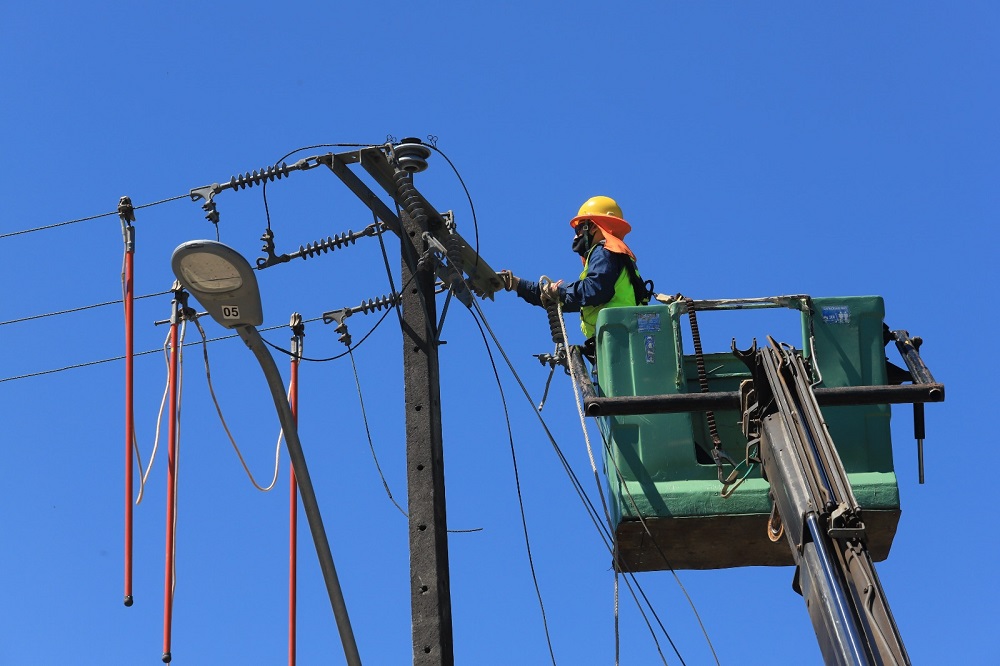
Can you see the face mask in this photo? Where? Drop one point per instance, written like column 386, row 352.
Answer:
column 581, row 243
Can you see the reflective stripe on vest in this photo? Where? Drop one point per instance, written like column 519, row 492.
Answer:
column 624, row 296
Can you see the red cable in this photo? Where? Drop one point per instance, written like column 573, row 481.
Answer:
column 293, row 390
column 129, row 420
column 168, row 595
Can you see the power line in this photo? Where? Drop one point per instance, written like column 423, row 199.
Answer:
column 85, row 219
column 79, row 309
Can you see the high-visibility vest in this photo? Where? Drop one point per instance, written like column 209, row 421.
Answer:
column 624, row 296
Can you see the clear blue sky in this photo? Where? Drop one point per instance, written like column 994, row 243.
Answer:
column 756, row 148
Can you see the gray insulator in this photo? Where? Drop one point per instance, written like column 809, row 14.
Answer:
column 412, row 155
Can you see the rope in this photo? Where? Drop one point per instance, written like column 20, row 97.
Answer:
column 631, row 581
column 218, row 409
column 159, row 420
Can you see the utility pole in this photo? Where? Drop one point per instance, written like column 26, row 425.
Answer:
column 430, row 587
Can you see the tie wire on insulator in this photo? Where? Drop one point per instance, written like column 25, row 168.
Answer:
column 126, row 214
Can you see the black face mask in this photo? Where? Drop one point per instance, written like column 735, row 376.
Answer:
column 581, row 243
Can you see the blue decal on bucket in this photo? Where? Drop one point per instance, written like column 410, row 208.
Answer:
column 648, row 323
column 650, row 349
column 836, row 314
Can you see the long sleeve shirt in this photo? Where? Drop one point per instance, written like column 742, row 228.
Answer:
column 597, row 287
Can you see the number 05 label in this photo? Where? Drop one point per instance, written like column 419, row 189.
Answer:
column 231, row 311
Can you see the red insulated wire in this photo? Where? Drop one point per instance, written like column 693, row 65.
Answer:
column 129, row 420
column 168, row 593
column 293, row 391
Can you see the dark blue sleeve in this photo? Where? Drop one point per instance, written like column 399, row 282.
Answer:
column 598, row 285
column 529, row 291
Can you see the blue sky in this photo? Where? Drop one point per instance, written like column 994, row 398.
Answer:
column 756, row 150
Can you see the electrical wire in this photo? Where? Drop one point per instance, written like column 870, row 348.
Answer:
column 85, row 219
column 371, row 445
column 267, row 210
column 517, row 484
column 79, row 309
column 468, row 196
column 585, row 499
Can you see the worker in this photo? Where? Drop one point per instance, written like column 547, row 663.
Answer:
column 610, row 277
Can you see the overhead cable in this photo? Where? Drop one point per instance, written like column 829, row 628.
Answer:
column 85, row 219
column 79, row 309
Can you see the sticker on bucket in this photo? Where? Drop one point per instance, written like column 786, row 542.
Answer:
column 836, row 314
column 650, row 349
column 648, row 323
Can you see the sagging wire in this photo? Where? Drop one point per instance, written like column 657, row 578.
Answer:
column 602, row 529
column 656, row 545
column 432, row 144
column 604, row 505
column 267, row 210
column 371, row 445
column 86, row 219
column 517, row 484
column 222, row 419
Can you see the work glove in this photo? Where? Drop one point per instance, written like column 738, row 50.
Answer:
column 550, row 292
column 509, row 280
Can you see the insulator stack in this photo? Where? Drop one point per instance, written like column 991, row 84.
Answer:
column 408, row 196
column 255, row 177
column 381, row 303
column 323, row 246
column 455, row 253
column 555, row 325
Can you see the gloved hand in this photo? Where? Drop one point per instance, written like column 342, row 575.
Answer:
column 509, row 280
column 550, row 291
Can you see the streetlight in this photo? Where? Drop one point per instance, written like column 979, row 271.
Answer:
column 222, row 280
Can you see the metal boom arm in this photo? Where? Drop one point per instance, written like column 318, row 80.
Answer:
column 821, row 518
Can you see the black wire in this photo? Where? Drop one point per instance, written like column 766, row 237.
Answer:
column 142, row 353
column 585, row 498
column 517, row 483
column 85, row 219
column 267, row 211
column 79, row 309
column 475, row 221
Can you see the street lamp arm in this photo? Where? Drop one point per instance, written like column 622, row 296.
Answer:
column 253, row 340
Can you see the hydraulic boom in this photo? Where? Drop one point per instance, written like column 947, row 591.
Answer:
column 816, row 509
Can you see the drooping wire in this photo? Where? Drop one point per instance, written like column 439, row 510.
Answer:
column 267, row 210
column 631, row 581
column 656, row 545
column 85, row 219
column 468, row 196
column 371, row 445
column 218, row 409
column 604, row 505
column 517, row 484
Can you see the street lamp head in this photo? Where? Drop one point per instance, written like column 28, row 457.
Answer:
column 221, row 279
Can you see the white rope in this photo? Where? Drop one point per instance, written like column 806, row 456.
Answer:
column 159, row 421
column 218, row 409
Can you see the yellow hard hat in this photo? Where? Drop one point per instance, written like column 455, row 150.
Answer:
column 605, row 213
